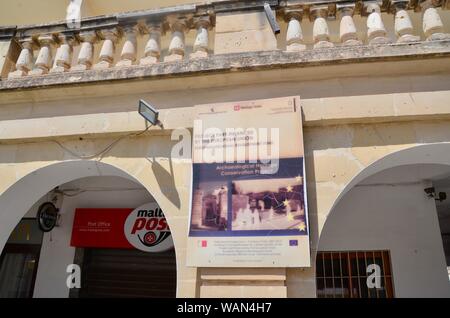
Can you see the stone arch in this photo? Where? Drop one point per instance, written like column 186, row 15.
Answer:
column 436, row 155
column 41, row 178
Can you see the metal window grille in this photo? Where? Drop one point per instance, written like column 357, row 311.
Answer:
column 344, row 274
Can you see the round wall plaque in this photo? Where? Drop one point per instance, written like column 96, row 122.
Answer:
column 47, row 216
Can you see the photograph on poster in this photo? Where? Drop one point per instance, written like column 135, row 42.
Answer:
column 210, row 206
column 268, row 204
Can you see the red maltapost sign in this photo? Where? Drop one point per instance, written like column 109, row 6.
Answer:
column 100, row 228
column 144, row 228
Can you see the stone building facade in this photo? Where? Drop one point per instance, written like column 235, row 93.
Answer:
column 374, row 82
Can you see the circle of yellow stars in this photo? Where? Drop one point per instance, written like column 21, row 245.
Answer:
column 302, row 225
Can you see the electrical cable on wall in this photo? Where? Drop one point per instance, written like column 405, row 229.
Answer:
column 105, row 150
column 75, row 192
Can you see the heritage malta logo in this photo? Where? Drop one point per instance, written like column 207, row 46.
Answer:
column 146, row 229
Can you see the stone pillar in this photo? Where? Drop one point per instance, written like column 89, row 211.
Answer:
column 243, row 282
column 294, row 34
column 376, row 32
column 129, row 49
column 86, row 54
column 402, row 23
column 177, row 46
column 243, row 31
column 25, row 61
column 321, row 35
column 44, row 59
column 63, row 56
column 197, row 206
column 152, row 50
column 106, row 57
column 431, row 22
column 347, row 28
column 202, row 24
column 9, row 50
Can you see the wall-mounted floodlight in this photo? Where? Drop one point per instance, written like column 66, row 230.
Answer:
column 148, row 112
column 271, row 17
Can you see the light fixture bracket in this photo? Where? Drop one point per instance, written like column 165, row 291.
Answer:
column 149, row 112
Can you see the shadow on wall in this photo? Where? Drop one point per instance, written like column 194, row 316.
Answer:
column 166, row 181
column 144, row 147
column 38, row 182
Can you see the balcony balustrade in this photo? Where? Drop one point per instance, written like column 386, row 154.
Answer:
column 170, row 35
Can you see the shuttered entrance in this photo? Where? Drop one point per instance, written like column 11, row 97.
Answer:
column 128, row 273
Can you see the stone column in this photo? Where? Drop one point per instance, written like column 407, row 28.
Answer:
column 202, row 24
column 177, row 46
column 347, row 28
column 63, row 56
column 431, row 22
column 294, row 34
column 243, row 32
column 152, row 50
column 44, row 59
column 9, row 50
column 86, row 54
column 129, row 49
column 25, row 61
column 321, row 34
column 402, row 22
column 106, row 57
column 376, row 32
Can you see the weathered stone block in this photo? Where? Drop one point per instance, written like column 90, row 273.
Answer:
column 9, row 51
column 243, row 32
column 81, row 67
column 248, row 291
column 102, row 65
column 148, row 60
column 295, row 47
column 173, row 58
column 124, row 63
column 198, row 55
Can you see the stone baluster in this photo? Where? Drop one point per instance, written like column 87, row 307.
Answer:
column 402, row 22
column 86, row 54
column 321, row 35
column 202, row 24
column 432, row 25
column 294, row 34
column 63, row 56
column 347, row 28
column 25, row 61
column 106, row 57
column 129, row 49
column 152, row 50
column 177, row 46
column 376, row 32
column 44, row 59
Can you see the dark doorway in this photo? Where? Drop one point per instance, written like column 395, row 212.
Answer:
column 19, row 260
column 128, row 273
column 18, row 268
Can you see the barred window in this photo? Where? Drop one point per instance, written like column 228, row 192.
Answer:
column 344, row 274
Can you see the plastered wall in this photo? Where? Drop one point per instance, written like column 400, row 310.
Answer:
column 350, row 122
column 334, row 155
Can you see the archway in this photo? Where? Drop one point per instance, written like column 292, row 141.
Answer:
column 23, row 194
column 384, row 212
